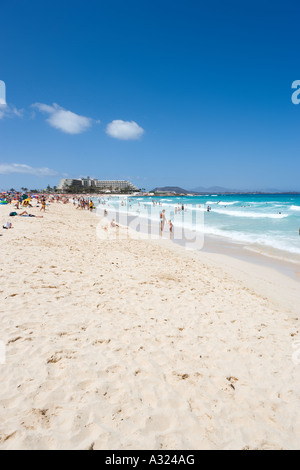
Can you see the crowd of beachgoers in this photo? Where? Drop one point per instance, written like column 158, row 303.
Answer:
column 21, row 204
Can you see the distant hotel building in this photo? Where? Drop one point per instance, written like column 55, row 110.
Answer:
column 102, row 185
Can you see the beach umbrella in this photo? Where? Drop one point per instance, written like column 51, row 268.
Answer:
column 26, row 201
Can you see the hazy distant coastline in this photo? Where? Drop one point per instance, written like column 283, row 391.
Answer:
column 216, row 190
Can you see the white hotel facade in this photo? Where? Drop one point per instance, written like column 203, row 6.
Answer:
column 105, row 185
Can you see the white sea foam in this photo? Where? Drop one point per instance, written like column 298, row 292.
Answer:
column 285, row 238
column 250, row 214
column 225, row 203
column 264, row 240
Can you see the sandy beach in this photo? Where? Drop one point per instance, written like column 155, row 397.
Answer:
column 138, row 344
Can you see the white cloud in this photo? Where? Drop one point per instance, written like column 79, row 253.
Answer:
column 124, row 130
column 9, row 111
column 64, row 120
column 2, row 110
column 9, row 168
column 2, row 93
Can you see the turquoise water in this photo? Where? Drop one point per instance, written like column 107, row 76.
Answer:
column 257, row 221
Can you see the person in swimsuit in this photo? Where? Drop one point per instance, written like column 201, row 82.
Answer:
column 8, row 225
column 171, row 226
column 24, row 214
column 43, row 208
column 113, row 223
column 162, row 220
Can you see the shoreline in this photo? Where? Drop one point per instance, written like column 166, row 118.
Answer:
column 256, row 269
column 257, row 256
column 267, row 257
column 125, row 343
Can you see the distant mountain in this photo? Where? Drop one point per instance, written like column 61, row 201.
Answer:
column 221, row 190
column 200, row 190
column 170, row 189
column 216, row 190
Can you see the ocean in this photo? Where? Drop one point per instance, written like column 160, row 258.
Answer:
column 266, row 223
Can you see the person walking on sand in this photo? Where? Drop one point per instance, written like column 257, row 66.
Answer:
column 171, row 228
column 162, row 220
column 43, row 208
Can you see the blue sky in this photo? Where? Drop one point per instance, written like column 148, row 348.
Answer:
column 182, row 93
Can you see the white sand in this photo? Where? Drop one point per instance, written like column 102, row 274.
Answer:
column 141, row 345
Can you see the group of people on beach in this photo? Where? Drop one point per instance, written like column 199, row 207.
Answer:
column 25, row 201
column 163, row 221
column 84, row 203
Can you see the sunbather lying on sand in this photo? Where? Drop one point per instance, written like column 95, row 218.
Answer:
column 25, row 214
column 113, row 223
